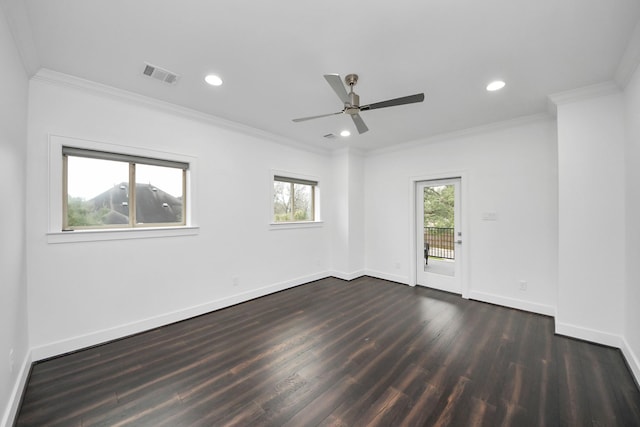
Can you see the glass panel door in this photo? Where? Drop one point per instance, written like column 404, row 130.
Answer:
column 439, row 236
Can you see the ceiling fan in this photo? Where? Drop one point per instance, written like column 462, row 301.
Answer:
column 351, row 101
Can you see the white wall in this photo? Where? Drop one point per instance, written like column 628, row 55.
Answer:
column 338, row 211
column 357, row 214
column 591, row 143
column 83, row 293
column 512, row 172
column 347, row 211
column 13, row 295
column 632, row 292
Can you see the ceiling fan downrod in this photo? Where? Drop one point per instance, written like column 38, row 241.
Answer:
column 353, row 106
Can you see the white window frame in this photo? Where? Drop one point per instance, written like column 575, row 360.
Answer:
column 55, row 232
column 304, row 179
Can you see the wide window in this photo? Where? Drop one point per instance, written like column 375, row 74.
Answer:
column 111, row 190
column 294, row 200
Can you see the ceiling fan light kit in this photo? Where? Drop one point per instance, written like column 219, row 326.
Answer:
column 351, row 101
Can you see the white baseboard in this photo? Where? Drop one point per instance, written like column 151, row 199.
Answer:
column 587, row 334
column 385, row 276
column 519, row 304
column 106, row 335
column 347, row 276
column 11, row 409
column 632, row 359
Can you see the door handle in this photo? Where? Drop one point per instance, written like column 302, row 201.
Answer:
column 458, row 242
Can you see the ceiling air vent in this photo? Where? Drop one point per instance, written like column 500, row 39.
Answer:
column 161, row 74
column 329, row 136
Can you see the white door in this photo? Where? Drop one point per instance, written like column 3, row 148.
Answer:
column 438, row 229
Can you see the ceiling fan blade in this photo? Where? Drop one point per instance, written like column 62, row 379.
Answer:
column 302, row 119
column 393, row 102
column 357, row 120
column 336, row 84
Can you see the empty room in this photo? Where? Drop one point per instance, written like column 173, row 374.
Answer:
column 320, row 213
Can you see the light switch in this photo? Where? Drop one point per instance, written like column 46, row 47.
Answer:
column 490, row 216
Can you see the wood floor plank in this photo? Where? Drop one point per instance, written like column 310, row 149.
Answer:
column 387, row 410
column 574, row 403
column 335, row 353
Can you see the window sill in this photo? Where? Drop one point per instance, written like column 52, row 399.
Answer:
column 120, row 234
column 289, row 225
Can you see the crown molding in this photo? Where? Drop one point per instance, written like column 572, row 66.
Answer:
column 476, row 130
column 630, row 59
column 48, row 76
column 348, row 151
column 583, row 93
column 17, row 17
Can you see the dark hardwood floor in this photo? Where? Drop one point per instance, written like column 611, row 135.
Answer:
column 335, row 353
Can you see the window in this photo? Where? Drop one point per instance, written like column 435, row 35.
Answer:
column 110, row 190
column 294, row 200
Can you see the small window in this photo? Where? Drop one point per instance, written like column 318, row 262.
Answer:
column 110, row 190
column 294, row 200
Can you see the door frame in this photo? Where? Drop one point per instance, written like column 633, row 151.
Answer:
column 464, row 224
column 444, row 282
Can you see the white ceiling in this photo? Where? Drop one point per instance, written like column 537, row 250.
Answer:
column 272, row 55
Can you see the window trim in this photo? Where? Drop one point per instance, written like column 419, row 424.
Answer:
column 132, row 162
column 56, row 234
column 295, row 178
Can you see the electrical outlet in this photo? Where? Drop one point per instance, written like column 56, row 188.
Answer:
column 11, row 361
column 523, row 285
column 235, row 281
column 397, row 266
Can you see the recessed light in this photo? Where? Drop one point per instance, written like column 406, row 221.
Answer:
column 495, row 85
column 345, row 133
column 213, row 80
